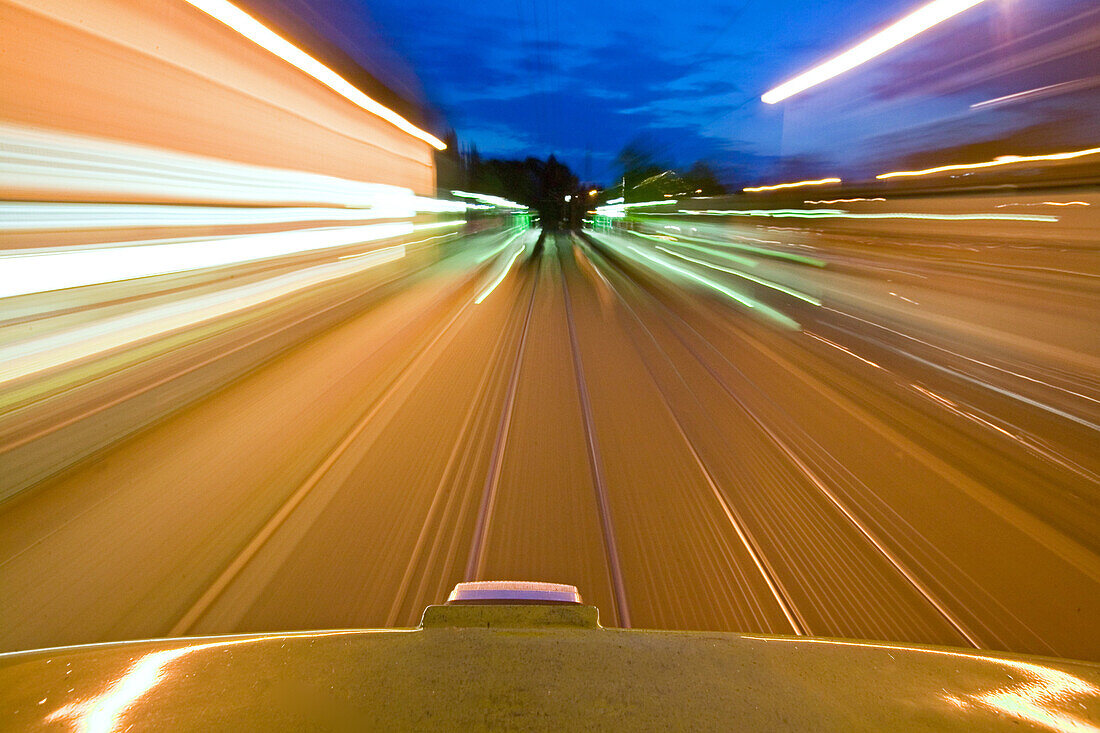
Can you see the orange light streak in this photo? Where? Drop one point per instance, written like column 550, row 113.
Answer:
column 1000, row 160
column 796, row 184
column 841, row 201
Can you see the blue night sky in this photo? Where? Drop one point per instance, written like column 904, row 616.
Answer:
column 582, row 79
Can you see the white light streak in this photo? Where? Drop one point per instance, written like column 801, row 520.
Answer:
column 916, row 22
column 1044, row 91
column 618, row 210
column 39, row 216
column 91, row 168
column 490, row 200
column 26, row 357
column 35, row 271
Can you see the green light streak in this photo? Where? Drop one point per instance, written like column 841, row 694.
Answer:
column 499, row 249
column 753, row 278
column 503, row 273
column 732, row 294
column 714, row 253
column 777, row 254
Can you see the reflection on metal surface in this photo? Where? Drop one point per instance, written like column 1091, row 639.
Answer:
column 104, row 712
column 1036, row 701
column 1042, row 698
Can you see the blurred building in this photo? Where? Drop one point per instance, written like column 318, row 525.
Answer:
column 167, row 75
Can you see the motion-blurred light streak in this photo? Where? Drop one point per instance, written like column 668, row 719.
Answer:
column 271, row 41
column 489, row 200
column 439, row 224
column 972, row 359
column 835, row 345
column 1042, row 91
column 1019, row 437
column 737, row 260
column 758, row 280
column 28, row 216
column 984, row 384
column 29, row 356
column 795, row 184
column 85, row 167
column 780, row 213
column 33, row 271
column 1046, row 203
column 844, row 201
column 618, row 211
column 947, row 217
column 763, row 251
column 503, row 272
column 916, row 22
column 841, row 214
column 406, row 245
column 737, row 297
column 1000, row 160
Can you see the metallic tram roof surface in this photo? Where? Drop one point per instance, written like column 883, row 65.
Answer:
column 538, row 667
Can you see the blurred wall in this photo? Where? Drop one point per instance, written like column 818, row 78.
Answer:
column 163, row 73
